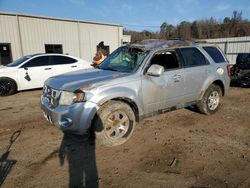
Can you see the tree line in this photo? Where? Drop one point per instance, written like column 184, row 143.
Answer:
column 234, row 26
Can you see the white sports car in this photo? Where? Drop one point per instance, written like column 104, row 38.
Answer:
column 31, row 71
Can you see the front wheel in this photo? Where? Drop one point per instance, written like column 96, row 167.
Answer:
column 7, row 86
column 114, row 123
column 211, row 100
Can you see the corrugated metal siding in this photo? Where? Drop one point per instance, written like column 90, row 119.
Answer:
column 91, row 35
column 35, row 33
column 126, row 38
column 78, row 38
column 9, row 34
column 232, row 46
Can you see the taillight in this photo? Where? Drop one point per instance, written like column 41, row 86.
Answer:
column 228, row 70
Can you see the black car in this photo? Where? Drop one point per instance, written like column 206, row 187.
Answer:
column 240, row 72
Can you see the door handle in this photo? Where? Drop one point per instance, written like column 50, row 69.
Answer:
column 176, row 78
column 74, row 66
column 47, row 68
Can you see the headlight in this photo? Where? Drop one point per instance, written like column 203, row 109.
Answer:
column 68, row 98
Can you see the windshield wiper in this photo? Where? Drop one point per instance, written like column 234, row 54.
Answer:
column 108, row 68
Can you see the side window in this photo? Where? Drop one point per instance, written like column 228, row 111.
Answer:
column 167, row 59
column 38, row 61
column 61, row 60
column 193, row 57
column 215, row 54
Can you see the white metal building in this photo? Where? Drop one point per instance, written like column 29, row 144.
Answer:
column 126, row 39
column 26, row 34
column 232, row 46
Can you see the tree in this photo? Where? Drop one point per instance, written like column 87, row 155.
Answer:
column 234, row 26
column 237, row 16
column 184, row 30
column 167, row 31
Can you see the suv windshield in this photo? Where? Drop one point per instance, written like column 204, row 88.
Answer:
column 124, row 59
column 18, row 61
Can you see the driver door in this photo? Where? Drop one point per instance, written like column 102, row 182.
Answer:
column 167, row 90
column 34, row 72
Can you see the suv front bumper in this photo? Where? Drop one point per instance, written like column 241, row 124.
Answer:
column 76, row 118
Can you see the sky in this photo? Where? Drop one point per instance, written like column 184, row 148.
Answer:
column 132, row 14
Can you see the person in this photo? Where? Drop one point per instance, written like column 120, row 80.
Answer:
column 100, row 54
column 102, row 48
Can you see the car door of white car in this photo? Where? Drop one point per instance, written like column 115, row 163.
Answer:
column 63, row 64
column 34, row 72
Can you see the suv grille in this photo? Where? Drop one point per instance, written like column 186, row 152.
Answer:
column 51, row 95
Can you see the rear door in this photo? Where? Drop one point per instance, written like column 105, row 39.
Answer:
column 63, row 64
column 167, row 90
column 196, row 70
column 34, row 72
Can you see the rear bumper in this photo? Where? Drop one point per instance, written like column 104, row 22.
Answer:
column 76, row 118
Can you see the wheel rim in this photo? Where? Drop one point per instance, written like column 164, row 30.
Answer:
column 5, row 87
column 117, row 124
column 213, row 100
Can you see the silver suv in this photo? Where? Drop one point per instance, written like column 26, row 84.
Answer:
column 134, row 82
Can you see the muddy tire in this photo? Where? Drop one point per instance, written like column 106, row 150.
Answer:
column 211, row 100
column 7, row 86
column 114, row 123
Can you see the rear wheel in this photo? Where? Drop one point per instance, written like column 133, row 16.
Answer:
column 114, row 123
column 7, row 86
column 211, row 100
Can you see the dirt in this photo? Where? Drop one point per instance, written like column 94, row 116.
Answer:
column 177, row 149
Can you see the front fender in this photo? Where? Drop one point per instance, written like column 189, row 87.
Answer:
column 11, row 73
column 120, row 92
column 12, row 77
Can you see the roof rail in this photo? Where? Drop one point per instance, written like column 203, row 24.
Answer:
column 200, row 41
column 150, row 44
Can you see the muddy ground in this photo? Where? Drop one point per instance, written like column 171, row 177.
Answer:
column 176, row 149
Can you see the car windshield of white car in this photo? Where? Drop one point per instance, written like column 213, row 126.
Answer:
column 18, row 61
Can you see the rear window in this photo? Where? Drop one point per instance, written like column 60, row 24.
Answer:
column 215, row 54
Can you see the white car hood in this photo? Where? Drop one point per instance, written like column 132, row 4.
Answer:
column 5, row 69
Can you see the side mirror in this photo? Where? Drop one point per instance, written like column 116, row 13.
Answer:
column 25, row 68
column 155, row 70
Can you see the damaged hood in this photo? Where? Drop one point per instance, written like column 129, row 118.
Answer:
column 86, row 78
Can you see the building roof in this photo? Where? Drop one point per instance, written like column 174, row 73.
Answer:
column 58, row 19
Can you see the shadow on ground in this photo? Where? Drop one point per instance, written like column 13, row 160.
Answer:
column 6, row 165
column 80, row 154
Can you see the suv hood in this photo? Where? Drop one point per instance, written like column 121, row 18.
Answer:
column 82, row 78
